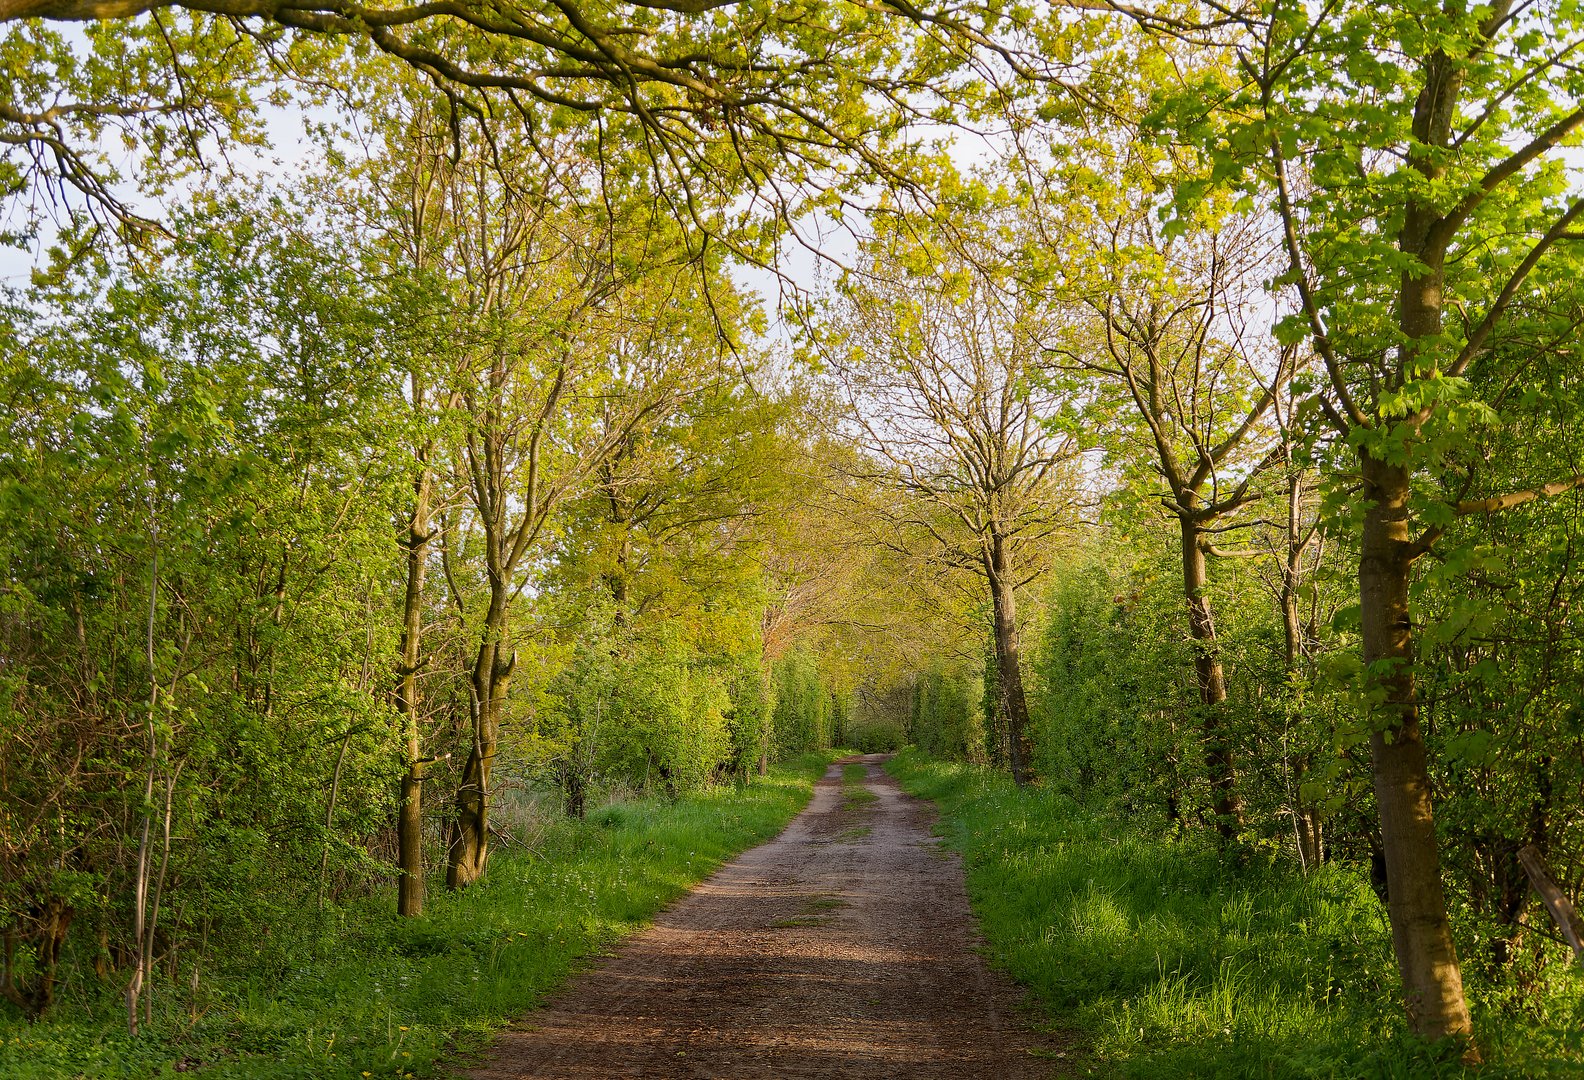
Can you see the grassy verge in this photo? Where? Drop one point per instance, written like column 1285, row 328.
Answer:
column 1178, row 962
column 385, row 997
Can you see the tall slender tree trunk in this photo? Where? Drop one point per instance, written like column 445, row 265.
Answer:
column 490, row 679
column 1421, row 933
column 1220, row 762
column 141, row 933
column 409, row 820
column 1308, row 827
column 1009, row 673
column 1292, row 569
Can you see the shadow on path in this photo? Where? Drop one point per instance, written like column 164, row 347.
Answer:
column 842, row 948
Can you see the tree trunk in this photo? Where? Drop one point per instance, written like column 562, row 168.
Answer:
column 141, row 931
column 1421, row 933
column 1292, row 570
column 409, row 821
column 469, row 849
column 574, row 786
column 1308, row 829
column 1009, row 674
column 1220, row 764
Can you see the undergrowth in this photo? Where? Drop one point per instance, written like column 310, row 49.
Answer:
column 1173, row 959
column 370, row 995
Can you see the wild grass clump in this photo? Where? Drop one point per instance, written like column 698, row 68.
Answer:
column 1178, row 960
column 378, row 996
column 855, row 796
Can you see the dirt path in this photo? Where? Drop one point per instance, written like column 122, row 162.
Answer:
column 843, row 948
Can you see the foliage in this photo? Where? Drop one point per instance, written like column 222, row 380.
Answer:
column 201, row 644
column 1414, row 159
column 355, row 991
column 194, row 635
column 806, row 710
column 944, row 718
column 1176, row 959
column 1109, row 728
column 1231, row 403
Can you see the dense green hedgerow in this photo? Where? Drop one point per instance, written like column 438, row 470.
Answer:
column 372, row 995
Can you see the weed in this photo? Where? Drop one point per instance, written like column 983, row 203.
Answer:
column 855, row 796
column 798, row 922
column 816, row 912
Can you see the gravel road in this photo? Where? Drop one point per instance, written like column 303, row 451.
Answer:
column 842, row 948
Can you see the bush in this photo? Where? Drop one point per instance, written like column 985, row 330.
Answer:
column 365, row 993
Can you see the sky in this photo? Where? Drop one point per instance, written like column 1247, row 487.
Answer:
column 291, row 153
column 803, row 263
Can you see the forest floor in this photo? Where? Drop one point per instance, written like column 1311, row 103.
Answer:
column 843, row 948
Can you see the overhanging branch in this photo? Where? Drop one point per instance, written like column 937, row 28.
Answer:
column 1497, row 503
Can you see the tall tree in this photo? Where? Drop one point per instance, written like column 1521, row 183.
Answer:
column 1412, row 153
column 561, row 315
column 1192, row 378
column 408, row 226
column 936, row 348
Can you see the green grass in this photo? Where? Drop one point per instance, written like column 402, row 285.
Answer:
column 854, row 795
column 1174, row 960
column 385, row 997
column 816, row 912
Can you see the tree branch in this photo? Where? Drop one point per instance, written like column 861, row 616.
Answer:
column 1498, row 503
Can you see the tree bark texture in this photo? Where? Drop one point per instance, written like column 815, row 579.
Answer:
column 1008, row 670
column 489, row 682
column 1308, row 825
column 1421, row 933
column 1220, row 764
column 1556, row 901
column 409, row 820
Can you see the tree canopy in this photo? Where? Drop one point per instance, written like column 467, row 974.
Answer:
column 1180, row 411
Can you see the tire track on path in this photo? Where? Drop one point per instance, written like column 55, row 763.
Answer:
column 843, row 948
